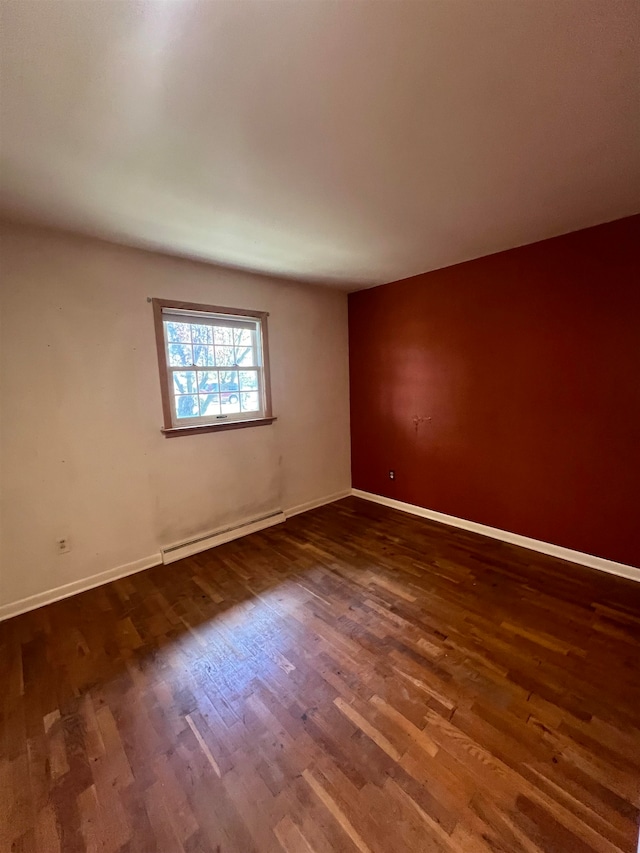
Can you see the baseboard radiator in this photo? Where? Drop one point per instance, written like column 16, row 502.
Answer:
column 179, row 550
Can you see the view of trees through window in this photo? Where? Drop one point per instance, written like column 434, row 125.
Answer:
column 214, row 370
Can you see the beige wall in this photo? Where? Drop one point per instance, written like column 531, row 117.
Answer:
column 82, row 453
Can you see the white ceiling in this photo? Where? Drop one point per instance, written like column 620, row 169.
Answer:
column 346, row 142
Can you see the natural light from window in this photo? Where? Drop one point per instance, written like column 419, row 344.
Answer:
column 214, row 366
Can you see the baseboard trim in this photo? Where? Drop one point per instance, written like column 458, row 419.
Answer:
column 599, row 563
column 32, row 602
column 213, row 538
column 173, row 553
column 329, row 499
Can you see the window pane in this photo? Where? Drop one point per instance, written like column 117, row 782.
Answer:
column 209, row 404
column 180, row 355
column 228, row 380
column 249, row 401
column 201, row 334
column 223, row 336
column 248, row 380
column 178, row 333
column 229, row 392
column 203, row 356
column 208, row 380
column 230, row 402
column 184, row 382
column 242, row 337
column 225, row 357
column 187, row 406
column 245, row 356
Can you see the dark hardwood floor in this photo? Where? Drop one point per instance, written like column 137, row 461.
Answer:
column 356, row 679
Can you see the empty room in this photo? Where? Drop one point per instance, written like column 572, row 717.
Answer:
column 319, row 426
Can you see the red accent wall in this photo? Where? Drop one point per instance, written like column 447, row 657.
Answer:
column 527, row 366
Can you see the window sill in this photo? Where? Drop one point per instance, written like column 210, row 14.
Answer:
column 172, row 432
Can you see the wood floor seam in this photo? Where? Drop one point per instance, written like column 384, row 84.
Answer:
column 354, row 680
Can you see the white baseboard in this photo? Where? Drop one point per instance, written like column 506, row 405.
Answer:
column 172, row 553
column 15, row 608
column 203, row 543
column 296, row 510
column 610, row 566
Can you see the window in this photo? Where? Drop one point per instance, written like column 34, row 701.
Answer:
column 214, row 367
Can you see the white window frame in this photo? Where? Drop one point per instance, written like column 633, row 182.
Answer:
column 166, row 311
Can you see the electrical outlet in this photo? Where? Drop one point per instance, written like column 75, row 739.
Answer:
column 63, row 546
column 392, row 475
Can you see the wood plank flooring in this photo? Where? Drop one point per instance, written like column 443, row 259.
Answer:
column 354, row 680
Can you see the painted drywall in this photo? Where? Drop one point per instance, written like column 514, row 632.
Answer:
column 81, row 450
column 506, row 390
